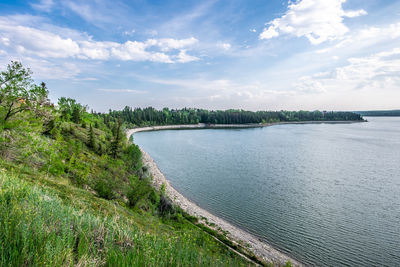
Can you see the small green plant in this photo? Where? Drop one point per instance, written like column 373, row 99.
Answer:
column 163, row 189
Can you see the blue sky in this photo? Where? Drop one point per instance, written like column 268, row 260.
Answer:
column 215, row 54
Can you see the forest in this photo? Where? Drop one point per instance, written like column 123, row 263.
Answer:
column 380, row 113
column 151, row 116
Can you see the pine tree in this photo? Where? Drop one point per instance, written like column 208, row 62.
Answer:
column 76, row 115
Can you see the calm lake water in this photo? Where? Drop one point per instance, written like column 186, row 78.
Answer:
column 326, row 194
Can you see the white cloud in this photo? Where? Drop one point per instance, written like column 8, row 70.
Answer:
column 380, row 71
column 136, row 51
column 43, row 5
column 167, row 44
column 5, row 41
column 46, row 70
column 45, row 44
column 129, row 33
column 122, row 91
column 203, row 84
column 371, row 35
column 41, row 43
column 355, row 13
column 317, row 20
column 225, row 46
column 87, row 12
column 269, row 33
column 309, row 85
column 184, row 58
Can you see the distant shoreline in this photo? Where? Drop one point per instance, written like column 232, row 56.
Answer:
column 259, row 248
column 227, row 126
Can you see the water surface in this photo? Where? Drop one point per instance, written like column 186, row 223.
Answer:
column 326, row 194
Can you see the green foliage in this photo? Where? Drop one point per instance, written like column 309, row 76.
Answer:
column 117, row 139
column 71, row 110
column 166, row 207
column 38, row 228
column 92, row 141
column 385, row 113
column 150, row 116
column 19, row 94
column 133, row 158
column 141, row 192
column 76, row 115
column 104, row 187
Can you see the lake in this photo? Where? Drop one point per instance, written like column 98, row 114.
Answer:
column 325, row 194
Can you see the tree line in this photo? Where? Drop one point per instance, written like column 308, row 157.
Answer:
column 151, row 116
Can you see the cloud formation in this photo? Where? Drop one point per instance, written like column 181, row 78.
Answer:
column 225, row 46
column 132, row 91
column 317, row 20
column 30, row 41
column 377, row 71
column 43, row 5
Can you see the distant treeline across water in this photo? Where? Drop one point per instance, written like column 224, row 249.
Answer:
column 166, row 116
column 383, row 113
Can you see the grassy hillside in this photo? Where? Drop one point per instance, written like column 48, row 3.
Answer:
column 49, row 222
column 73, row 191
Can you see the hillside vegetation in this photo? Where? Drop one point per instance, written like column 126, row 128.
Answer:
column 73, row 191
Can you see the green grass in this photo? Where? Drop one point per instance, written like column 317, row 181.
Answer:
column 41, row 227
column 63, row 204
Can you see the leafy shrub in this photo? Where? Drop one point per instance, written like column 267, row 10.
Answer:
column 142, row 195
column 104, row 188
column 166, row 207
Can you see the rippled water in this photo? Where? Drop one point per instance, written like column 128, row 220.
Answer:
column 326, row 194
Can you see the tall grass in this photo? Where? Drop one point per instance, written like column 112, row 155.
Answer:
column 38, row 228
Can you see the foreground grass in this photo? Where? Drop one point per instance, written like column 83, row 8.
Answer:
column 41, row 226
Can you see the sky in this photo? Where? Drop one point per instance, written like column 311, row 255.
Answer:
column 214, row 54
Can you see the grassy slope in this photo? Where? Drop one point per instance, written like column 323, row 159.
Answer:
column 50, row 222
column 51, row 213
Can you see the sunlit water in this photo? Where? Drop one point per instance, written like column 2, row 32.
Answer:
column 326, row 194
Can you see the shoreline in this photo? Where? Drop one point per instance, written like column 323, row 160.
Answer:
column 261, row 249
column 227, row 126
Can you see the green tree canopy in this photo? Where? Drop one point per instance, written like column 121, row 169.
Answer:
column 18, row 93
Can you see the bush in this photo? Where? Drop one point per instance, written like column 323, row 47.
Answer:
column 165, row 206
column 142, row 191
column 104, row 188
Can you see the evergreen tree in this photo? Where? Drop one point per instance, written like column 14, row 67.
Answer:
column 76, row 114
